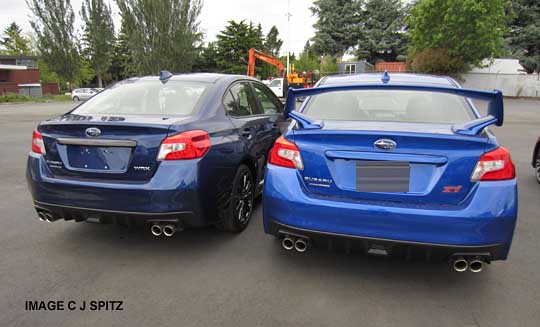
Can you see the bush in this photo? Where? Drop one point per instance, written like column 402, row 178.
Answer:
column 10, row 98
column 436, row 61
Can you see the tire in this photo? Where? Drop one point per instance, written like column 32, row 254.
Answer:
column 76, row 99
column 235, row 213
column 537, row 167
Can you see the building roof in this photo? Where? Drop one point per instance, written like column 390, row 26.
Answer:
column 12, row 67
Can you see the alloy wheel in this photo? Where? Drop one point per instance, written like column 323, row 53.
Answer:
column 243, row 198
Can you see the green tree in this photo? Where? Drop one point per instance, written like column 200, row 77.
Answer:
column 272, row 43
column 161, row 34
column 206, row 60
column 52, row 22
column 328, row 66
column 336, row 29
column 122, row 60
column 306, row 62
column 14, row 43
column 471, row 30
column 381, row 34
column 524, row 36
column 233, row 44
column 98, row 36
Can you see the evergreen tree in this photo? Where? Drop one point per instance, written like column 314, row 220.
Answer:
column 381, row 31
column 233, row 44
column 336, row 27
column 206, row 60
column 14, row 43
column 98, row 36
column 524, row 36
column 161, row 34
column 273, row 43
column 52, row 22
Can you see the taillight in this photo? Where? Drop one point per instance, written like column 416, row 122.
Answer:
column 495, row 165
column 186, row 145
column 37, row 143
column 286, row 154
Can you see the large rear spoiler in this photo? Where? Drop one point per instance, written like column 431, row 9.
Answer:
column 474, row 127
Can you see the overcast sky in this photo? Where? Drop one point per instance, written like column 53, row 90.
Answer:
column 214, row 17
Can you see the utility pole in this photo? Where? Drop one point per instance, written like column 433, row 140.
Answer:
column 288, row 36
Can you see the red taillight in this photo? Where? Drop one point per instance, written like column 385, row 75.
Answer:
column 494, row 166
column 37, row 143
column 186, row 145
column 286, row 154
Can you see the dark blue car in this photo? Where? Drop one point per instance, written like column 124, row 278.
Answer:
column 393, row 165
column 175, row 151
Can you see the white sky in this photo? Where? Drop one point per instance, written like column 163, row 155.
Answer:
column 214, row 17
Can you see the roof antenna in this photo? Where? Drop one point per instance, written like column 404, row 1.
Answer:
column 164, row 76
column 385, row 77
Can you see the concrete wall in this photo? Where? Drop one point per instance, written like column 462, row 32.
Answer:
column 510, row 85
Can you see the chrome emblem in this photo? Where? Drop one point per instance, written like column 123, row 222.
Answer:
column 93, row 132
column 385, row 144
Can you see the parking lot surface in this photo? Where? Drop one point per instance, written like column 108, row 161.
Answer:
column 208, row 278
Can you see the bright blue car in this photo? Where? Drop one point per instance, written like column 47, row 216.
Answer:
column 173, row 151
column 395, row 164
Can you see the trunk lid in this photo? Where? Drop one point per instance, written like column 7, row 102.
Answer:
column 430, row 164
column 104, row 147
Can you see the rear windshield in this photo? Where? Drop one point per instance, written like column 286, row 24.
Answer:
column 146, row 98
column 390, row 106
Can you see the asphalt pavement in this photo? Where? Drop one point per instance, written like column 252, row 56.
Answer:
column 208, row 278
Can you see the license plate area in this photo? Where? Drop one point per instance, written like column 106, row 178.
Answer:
column 382, row 176
column 96, row 158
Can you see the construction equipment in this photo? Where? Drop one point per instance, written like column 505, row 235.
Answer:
column 294, row 79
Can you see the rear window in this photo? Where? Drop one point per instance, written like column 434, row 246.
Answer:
column 390, row 106
column 146, row 98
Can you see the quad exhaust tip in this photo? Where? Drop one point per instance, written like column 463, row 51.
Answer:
column 476, row 265
column 460, row 264
column 156, row 230
column 300, row 245
column 288, row 243
column 169, row 230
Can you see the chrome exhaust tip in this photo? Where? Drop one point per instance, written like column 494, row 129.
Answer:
column 48, row 217
column 41, row 216
column 287, row 243
column 460, row 264
column 476, row 265
column 301, row 245
column 169, row 230
column 156, row 230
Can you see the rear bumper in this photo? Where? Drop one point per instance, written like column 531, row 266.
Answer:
column 172, row 193
column 484, row 222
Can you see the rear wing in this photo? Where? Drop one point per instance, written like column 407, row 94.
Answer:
column 474, row 127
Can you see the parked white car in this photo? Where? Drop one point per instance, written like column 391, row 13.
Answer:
column 83, row 94
column 279, row 86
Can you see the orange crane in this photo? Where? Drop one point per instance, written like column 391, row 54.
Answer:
column 256, row 54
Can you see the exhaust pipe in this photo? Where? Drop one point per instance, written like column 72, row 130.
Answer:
column 156, row 229
column 48, row 217
column 301, row 245
column 460, row 264
column 476, row 265
column 287, row 243
column 169, row 230
column 41, row 216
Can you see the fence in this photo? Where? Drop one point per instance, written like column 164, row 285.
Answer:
column 511, row 85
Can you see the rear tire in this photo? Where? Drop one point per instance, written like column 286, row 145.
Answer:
column 235, row 213
column 537, row 167
column 76, row 99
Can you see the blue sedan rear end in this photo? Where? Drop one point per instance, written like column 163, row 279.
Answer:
column 176, row 151
column 399, row 165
